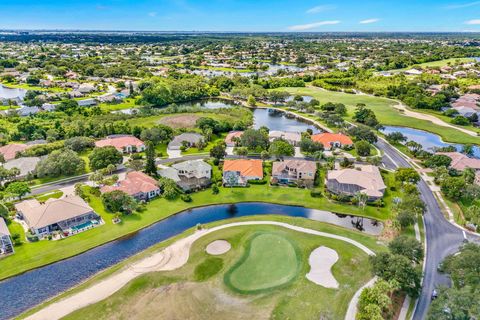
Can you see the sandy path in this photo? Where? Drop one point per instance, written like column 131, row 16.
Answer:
column 418, row 115
column 171, row 258
column 321, row 261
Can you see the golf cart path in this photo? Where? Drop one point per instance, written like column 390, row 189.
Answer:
column 422, row 116
column 172, row 257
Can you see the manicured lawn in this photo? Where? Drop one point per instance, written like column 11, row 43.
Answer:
column 270, row 261
column 36, row 254
column 155, row 120
column 48, row 195
column 166, row 294
column 386, row 114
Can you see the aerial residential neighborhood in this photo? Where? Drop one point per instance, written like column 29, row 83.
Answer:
column 240, row 160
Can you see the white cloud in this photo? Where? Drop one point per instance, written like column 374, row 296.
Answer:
column 367, row 21
column 474, row 21
column 308, row 26
column 321, row 8
column 152, row 14
column 462, row 5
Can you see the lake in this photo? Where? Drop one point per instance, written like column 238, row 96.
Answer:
column 428, row 140
column 29, row 289
column 11, row 93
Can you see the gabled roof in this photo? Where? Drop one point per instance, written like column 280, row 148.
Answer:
column 39, row 215
column 328, row 138
column 135, row 182
column 119, row 142
column 246, row 167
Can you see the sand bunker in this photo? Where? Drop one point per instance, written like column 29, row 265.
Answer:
column 321, row 261
column 218, row 247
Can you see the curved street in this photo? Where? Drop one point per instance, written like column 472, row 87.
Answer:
column 442, row 237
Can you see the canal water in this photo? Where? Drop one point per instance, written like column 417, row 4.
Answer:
column 24, row 291
column 428, row 140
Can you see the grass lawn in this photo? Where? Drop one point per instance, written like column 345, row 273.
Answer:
column 36, row 254
column 154, row 120
column 49, row 195
column 269, row 261
column 386, row 114
column 165, row 295
column 438, row 63
column 125, row 104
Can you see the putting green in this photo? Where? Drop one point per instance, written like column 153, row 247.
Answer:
column 270, row 261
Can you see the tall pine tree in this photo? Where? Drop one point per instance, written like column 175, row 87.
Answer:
column 150, row 167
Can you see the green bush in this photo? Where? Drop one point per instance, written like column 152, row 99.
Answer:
column 257, row 182
column 186, row 198
column 315, row 193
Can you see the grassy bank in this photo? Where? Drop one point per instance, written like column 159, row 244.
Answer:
column 33, row 255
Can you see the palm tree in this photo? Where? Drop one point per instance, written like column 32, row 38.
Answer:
column 361, row 199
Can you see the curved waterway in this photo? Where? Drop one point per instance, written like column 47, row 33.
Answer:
column 27, row 290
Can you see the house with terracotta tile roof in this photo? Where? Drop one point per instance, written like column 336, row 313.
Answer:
column 238, row 172
column 460, row 161
column 231, row 137
column 68, row 214
column 332, row 140
column 364, row 179
column 299, row 172
column 123, row 143
column 9, row 151
column 136, row 184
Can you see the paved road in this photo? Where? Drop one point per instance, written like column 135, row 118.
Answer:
column 442, row 237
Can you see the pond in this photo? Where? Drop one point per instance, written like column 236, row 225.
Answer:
column 278, row 120
column 274, row 120
column 33, row 287
column 428, row 140
column 11, row 93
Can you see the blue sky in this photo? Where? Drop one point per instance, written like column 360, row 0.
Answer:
column 242, row 15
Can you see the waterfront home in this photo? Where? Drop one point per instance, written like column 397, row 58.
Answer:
column 299, row 172
column 26, row 165
column 239, row 172
column 123, row 143
column 189, row 139
column 6, row 244
column 136, row 184
column 460, row 161
column 293, row 138
column 69, row 214
column 364, row 179
column 189, row 175
column 10, row 151
column 232, row 137
column 333, row 140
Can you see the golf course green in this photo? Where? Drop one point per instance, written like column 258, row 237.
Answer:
column 270, row 261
